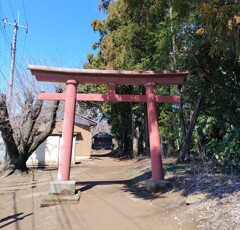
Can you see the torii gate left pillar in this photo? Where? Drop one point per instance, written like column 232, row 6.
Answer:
column 73, row 77
column 65, row 156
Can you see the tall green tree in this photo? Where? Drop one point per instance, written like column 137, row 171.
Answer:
column 201, row 36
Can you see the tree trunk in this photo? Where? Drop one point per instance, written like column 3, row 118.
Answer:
column 20, row 162
column 21, row 144
column 122, row 136
column 135, row 134
column 141, row 139
column 146, row 133
column 181, row 116
column 136, row 142
column 201, row 146
column 184, row 148
column 170, row 147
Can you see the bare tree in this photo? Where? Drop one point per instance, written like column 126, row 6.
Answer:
column 20, row 131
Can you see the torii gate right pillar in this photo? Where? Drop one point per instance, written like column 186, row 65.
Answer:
column 154, row 138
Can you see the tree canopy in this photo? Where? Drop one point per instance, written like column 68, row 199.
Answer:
column 201, row 36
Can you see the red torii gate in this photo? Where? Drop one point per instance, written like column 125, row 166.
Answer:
column 73, row 77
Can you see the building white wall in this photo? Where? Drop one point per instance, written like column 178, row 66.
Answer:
column 2, row 149
column 48, row 152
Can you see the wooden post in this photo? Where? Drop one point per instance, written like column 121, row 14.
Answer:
column 67, row 135
column 154, row 138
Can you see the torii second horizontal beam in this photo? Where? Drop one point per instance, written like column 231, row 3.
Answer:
column 110, row 97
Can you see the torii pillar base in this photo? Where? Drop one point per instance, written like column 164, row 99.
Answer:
column 156, row 185
column 61, row 192
column 50, row 199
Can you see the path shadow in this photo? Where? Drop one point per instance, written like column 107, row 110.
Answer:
column 90, row 184
column 14, row 218
column 131, row 185
column 99, row 154
column 187, row 182
column 116, row 153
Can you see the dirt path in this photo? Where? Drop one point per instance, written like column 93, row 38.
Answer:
column 108, row 200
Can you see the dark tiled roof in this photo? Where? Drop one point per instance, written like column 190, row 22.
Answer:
column 103, row 135
column 79, row 120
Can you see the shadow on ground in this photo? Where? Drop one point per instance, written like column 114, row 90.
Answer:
column 132, row 185
column 182, row 179
column 13, row 219
column 111, row 153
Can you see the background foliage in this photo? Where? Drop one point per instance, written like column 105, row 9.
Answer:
column 201, row 36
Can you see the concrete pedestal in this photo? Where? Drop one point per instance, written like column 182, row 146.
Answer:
column 61, row 192
column 156, row 185
column 62, row 187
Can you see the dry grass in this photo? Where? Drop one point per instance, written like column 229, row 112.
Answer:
column 221, row 209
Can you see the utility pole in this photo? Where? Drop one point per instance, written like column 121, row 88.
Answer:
column 15, row 25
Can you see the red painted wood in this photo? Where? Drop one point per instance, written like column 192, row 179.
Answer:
column 51, row 96
column 168, row 99
column 52, row 74
column 111, row 89
column 154, row 138
column 109, row 77
column 109, row 97
column 64, row 164
column 172, row 80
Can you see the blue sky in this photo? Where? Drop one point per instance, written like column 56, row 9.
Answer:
column 60, row 32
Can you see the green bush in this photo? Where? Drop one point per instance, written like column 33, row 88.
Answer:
column 226, row 152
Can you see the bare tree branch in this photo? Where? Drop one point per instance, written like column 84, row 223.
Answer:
column 43, row 136
column 6, row 128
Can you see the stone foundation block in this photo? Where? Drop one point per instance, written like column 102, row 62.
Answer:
column 55, row 199
column 62, row 187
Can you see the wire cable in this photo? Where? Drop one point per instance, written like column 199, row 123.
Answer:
column 24, row 10
column 6, row 38
column 24, row 45
column 11, row 8
column 4, row 32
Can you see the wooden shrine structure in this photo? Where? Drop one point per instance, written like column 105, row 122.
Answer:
column 73, row 77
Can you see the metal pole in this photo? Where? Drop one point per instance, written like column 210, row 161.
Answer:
column 13, row 57
column 16, row 25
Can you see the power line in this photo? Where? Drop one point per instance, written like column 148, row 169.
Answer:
column 6, row 35
column 25, row 15
column 8, row 45
column 11, row 8
column 16, row 26
column 1, row 11
column 24, row 10
column 6, row 38
column 3, row 31
column 16, row 66
column 24, row 44
column 5, row 78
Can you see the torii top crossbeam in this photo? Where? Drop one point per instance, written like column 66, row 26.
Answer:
column 73, row 77
column 92, row 76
